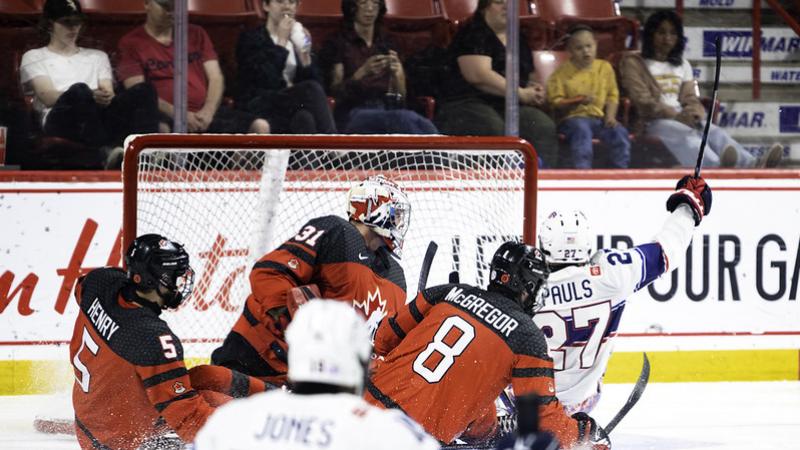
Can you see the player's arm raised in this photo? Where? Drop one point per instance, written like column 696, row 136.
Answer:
column 633, row 269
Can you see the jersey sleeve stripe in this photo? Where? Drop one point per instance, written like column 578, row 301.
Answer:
column 415, row 313
column 532, row 372
column 547, row 399
column 164, row 376
column 533, row 362
column 396, row 328
column 249, row 317
column 164, row 405
column 381, row 397
column 653, row 263
column 240, row 385
column 97, row 445
column 299, row 252
column 280, row 268
column 146, row 372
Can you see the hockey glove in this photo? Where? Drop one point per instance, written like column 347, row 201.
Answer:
column 591, row 433
column 300, row 295
column 693, row 192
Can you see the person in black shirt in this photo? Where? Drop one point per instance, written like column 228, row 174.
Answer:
column 277, row 78
column 475, row 93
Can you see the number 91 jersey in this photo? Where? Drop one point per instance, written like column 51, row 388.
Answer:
column 582, row 307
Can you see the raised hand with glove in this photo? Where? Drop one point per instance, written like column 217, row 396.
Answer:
column 694, row 192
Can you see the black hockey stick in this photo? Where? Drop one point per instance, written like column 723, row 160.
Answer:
column 636, row 393
column 718, row 51
column 426, row 265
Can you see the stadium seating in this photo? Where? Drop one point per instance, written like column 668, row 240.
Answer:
column 413, row 25
column 323, row 18
column 614, row 32
column 535, row 28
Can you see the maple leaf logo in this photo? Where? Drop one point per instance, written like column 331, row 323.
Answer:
column 374, row 302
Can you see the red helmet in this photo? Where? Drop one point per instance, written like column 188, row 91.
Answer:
column 380, row 204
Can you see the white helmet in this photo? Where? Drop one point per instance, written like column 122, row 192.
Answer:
column 565, row 238
column 328, row 343
column 380, row 204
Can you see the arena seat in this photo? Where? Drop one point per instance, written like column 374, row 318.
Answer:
column 18, row 21
column 613, row 31
column 323, row 18
column 414, row 25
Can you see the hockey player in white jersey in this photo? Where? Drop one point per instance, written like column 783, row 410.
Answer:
column 585, row 294
column 329, row 350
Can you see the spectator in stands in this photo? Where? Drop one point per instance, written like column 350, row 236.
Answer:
column 475, row 95
column 583, row 92
column 146, row 55
column 661, row 85
column 277, row 78
column 74, row 93
column 367, row 77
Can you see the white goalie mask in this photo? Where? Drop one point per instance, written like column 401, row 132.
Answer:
column 328, row 343
column 380, row 204
column 565, row 237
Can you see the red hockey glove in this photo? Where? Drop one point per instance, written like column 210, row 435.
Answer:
column 591, row 433
column 300, row 295
column 693, row 192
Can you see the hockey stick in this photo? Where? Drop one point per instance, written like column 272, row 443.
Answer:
column 426, row 265
column 718, row 51
column 636, row 394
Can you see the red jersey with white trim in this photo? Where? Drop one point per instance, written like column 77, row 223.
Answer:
column 452, row 351
column 329, row 252
column 131, row 383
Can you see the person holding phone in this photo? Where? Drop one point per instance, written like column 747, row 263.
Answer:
column 366, row 76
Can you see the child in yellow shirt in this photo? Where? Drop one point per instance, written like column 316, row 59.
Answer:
column 583, row 92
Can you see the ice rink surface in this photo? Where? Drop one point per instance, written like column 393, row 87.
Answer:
column 669, row 416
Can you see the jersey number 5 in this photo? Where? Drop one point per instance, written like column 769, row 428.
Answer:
column 86, row 342
column 448, row 352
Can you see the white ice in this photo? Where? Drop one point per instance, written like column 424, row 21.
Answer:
column 669, row 416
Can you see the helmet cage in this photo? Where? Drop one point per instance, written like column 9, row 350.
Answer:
column 380, row 204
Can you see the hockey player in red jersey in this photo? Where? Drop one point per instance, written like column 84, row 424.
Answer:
column 452, row 351
column 352, row 260
column 131, row 387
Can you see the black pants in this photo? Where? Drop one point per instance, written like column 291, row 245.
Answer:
column 300, row 109
column 77, row 117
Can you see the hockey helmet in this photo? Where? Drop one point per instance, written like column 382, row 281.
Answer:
column 380, row 204
column 328, row 343
column 564, row 237
column 517, row 269
column 154, row 261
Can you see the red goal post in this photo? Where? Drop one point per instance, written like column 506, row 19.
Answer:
column 231, row 198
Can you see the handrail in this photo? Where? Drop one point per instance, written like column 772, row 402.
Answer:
column 756, row 15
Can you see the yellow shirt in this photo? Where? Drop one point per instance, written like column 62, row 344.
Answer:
column 597, row 80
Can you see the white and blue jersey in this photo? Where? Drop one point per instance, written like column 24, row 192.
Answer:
column 286, row 421
column 582, row 307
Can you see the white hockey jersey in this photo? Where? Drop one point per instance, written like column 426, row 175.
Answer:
column 583, row 306
column 285, row 421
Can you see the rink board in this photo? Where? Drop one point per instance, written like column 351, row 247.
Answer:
column 729, row 314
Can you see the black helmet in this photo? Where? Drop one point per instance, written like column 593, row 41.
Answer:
column 154, row 260
column 518, row 268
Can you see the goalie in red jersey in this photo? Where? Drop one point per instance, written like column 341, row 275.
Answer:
column 132, row 389
column 452, row 351
column 353, row 260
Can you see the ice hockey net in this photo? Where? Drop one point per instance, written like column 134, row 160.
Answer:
column 231, row 199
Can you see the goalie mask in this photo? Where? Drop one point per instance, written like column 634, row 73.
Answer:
column 154, row 261
column 565, row 238
column 518, row 269
column 328, row 343
column 380, row 204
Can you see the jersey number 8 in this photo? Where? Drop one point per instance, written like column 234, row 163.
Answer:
column 448, row 352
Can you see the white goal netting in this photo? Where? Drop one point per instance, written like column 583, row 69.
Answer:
column 230, row 200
